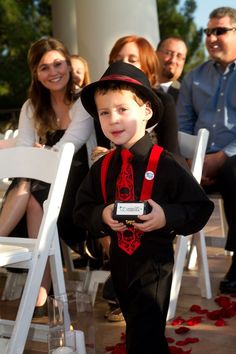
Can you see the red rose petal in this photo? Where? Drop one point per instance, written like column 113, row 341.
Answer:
column 195, row 308
column 192, row 340
column 220, row 322
column 215, row 315
column 229, row 312
column 176, row 350
column 223, row 301
column 181, row 343
column 194, row 321
column 198, row 309
column 170, row 340
column 182, row 330
column 177, row 321
column 187, row 341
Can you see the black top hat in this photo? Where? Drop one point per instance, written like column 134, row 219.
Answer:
column 121, row 72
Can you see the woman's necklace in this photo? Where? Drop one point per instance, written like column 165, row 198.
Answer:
column 62, row 114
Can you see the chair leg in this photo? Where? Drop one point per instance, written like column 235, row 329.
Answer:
column 57, row 273
column 180, row 257
column 224, row 224
column 192, row 254
column 204, row 276
column 96, row 277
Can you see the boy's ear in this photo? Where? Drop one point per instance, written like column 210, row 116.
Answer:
column 148, row 110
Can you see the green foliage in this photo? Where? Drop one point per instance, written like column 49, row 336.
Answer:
column 21, row 23
column 179, row 21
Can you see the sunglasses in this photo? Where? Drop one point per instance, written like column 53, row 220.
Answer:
column 218, row 31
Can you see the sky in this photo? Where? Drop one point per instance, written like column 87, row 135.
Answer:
column 204, row 7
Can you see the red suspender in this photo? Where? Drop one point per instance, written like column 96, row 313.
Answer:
column 149, row 176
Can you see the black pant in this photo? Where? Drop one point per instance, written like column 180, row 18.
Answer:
column 226, row 185
column 143, row 291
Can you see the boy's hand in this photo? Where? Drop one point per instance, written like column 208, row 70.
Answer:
column 154, row 220
column 115, row 225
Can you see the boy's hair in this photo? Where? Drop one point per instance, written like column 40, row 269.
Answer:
column 111, row 86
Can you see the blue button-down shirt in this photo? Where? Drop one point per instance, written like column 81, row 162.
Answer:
column 207, row 99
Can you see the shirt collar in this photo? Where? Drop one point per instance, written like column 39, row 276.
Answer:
column 142, row 147
column 230, row 67
column 165, row 85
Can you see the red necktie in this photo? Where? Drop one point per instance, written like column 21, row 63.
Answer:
column 130, row 239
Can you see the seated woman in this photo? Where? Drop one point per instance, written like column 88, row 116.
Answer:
column 51, row 116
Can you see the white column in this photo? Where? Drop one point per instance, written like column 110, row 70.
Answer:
column 64, row 23
column 101, row 22
column 91, row 27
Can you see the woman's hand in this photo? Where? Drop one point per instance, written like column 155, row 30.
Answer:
column 98, row 152
column 37, row 145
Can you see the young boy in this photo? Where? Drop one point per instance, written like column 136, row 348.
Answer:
column 141, row 251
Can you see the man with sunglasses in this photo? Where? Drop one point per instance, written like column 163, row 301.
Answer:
column 207, row 99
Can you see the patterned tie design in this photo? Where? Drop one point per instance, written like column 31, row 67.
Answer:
column 130, row 239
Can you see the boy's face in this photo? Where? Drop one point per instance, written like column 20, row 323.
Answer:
column 122, row 120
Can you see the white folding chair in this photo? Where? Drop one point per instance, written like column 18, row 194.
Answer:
column 8, row 140
column 191, row 147
column 32, row 254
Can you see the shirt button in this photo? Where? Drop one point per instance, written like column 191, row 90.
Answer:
column 222, row 93
column 218, row 109
column 213, row 125
column 213, row 144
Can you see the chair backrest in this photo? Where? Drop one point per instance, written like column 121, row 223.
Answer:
column 44, row 165
column 194, row 147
